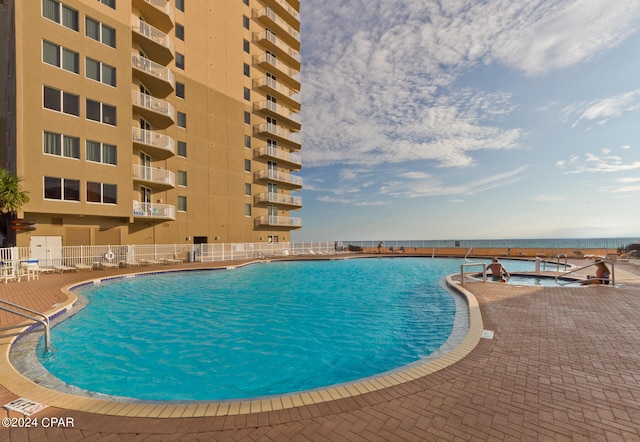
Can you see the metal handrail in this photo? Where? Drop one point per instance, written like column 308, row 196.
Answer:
column 44, row 322
column 484, row 270
column 557, row 263
column 612, row 277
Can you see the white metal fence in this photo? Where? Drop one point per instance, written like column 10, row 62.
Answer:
column 139, row 253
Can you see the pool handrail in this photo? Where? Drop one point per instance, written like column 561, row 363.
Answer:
column 484, row 270
column 612, row 277
column 44, row 322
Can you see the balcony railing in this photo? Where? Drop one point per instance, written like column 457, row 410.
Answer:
column 275, row 42
column 154, row 175
column 163, row 143
column 163, row 109
column 163, row 77
column 282, row 177
column 278, row 198
column 156, row 44
column 151, row 210
column 270, row 15
column 274, row 152
column 279, row 111
column 277, row 131
column 274, row 63
column 292, row 97
column 280, row 221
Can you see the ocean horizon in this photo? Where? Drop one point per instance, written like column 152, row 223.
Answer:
column 520, row 243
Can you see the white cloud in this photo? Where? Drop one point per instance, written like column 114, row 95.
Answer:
column 379, row 76
column 602, row 110
column 609, row 164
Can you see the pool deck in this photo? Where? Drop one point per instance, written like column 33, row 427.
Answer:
column 563, row 364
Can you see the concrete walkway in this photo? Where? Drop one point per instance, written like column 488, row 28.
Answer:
column 563, row 364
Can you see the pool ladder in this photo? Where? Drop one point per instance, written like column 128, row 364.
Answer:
column 31, row 328
column 612, row 277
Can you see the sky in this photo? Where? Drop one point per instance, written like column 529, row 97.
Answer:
column 470, row 119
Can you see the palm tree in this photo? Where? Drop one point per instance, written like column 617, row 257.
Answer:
column 12, row 198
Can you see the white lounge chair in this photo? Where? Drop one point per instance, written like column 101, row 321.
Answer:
column 150, row 262
column 63, row 268
column 171, row 261
column 81, row 266
column 109, row 265
column 130, row 263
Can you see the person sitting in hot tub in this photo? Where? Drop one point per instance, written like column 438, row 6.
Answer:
column 498, row 272
column 601, row 276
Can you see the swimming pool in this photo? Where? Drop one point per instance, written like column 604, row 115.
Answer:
column 255, row 331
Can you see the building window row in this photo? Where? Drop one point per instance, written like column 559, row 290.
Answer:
column 68, row 103
column 68, row 60
column 65, row 189
column 60, row 13
column 69, row 147
column 101, row 112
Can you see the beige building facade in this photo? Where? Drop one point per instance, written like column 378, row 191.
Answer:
column 153, row 121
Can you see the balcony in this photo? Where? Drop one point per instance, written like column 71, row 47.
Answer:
column 153, row 211
column 278, row 221
column 271, row 20
column 284, row 10
column 281, row 113
column 156, row 44
column 158, row 12
column 285, row 52
column 291, row 159
column 284, row 73
column 157, row 112
column 280, row 134
column 156, row 77
column 287, row 179
column 154, row 177
column 161, row 146
column 278, row 198
column 282, row 93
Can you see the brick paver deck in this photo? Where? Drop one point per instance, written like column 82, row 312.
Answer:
column 564, row 364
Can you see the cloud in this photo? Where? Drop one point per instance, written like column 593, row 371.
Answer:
column 603, row 109
column 606, row 164
column 380, row 75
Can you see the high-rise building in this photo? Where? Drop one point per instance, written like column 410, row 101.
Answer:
column 153, row 121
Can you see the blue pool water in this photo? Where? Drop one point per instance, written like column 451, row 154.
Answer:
column 254, row 331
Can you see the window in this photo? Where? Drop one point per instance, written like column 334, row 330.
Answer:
column 61, row 189
column 182, row 204
column 61, row 145
column 182, row 120
column 182, row 178
column 61, row 14
column 179, row 89
column 245, row 22
column 101, row 112
column 247, row 165
column 179, row 32
column 246, row 2
column 247, row 141
column 247, row 210
column 246, row 70
column 180, row 5
column 247, row 117
column 61, row 57
column 101, row 152
column 100, row 72
column 247, row 189
column 247, row 94
column 182, row 149
column 100, row 32
column 109, row 3
column 102, row 193
column 245, row 45
column 61, row 101
column 179, row 60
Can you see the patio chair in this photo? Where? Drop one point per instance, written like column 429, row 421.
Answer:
column 81, row 266
column 63, row 268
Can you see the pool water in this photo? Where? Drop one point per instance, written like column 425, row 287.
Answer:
column 254, row 331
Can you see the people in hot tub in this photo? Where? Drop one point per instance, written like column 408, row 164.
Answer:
column 602, row 274
column 498, row 272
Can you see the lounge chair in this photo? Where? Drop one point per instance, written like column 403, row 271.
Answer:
column 109, row 265
column 81, row 266
column 63, row 268
column 150, row 262
column 171, row 261
column 130, row 263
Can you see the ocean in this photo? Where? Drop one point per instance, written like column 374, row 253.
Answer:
column 544, row 243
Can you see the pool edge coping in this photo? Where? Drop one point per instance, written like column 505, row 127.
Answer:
column 20, row 385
